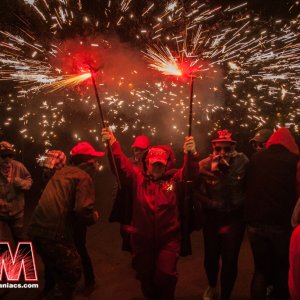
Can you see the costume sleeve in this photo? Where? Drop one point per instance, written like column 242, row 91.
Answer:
column 126, row 170
column 190, row 169
column 295, row 220
column 298, row 179
column 294, row 259
column 85, row 200
column 23, row 179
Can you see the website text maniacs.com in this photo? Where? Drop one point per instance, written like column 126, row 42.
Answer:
column 19, row 285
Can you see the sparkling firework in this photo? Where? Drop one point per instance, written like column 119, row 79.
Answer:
column 249, row 67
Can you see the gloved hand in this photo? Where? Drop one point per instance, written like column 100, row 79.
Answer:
column 189, row 145
column 107, row 136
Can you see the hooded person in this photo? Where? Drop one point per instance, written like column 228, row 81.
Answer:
column 155, row 217
column 221, row 193
column 14, row 181
column 67, row 200
column 271, row 197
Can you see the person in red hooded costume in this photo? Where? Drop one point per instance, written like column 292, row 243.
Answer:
column 155, row 224
column 271, row 195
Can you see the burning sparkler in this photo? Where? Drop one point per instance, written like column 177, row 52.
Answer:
column 256, row 61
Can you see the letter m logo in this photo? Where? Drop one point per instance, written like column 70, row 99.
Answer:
column 12, row 265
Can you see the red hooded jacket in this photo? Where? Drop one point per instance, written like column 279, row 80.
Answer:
column 155, row 210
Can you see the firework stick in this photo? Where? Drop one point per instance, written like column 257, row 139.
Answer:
column 187, row 204
column 104, row 124
column 191, row 104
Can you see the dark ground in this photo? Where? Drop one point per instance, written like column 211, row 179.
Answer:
column 115, row 278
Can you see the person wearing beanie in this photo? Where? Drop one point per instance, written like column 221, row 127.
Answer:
column 156, row 216
column 67, row 200
column 271, row 194
column 221, row 193
column 14, row 181
column 260, row 139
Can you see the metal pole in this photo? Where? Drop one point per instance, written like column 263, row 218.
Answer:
column 191, row 104
column 104, row 125
column 187, row 203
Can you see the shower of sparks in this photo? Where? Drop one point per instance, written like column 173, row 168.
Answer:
column 69, row 81
column 162, row 60
column 255, row 61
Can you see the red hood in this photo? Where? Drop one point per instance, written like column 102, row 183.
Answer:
column 283, row 137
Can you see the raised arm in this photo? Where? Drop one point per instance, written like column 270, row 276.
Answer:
column 190, row 169
column 124, row 166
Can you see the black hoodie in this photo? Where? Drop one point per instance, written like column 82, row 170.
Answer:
column 271, row 182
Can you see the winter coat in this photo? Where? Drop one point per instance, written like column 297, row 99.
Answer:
column 156, row 215
column 12, row 190
column 271, row 182
column 223, row 191
column 68, row 196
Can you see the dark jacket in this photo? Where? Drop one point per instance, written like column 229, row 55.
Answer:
column 69, row 195
column 155, row 204
column 271, row 182
column 223, row 191
column 12, row 191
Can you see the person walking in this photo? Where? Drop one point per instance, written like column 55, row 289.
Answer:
column 221, row 191
column 15, row 179
column 67, row 199
column 271, row 198
column 155, row 224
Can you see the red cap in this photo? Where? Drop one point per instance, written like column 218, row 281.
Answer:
column 157, row 155
column 141, row 141
column 224, row 136
column 85, row 148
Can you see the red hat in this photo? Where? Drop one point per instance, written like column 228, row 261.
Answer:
column 157, row 155
column 224, row 136
column 84, row 148
column 141, row 141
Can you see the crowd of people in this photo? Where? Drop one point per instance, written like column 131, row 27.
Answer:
column 225, row 194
